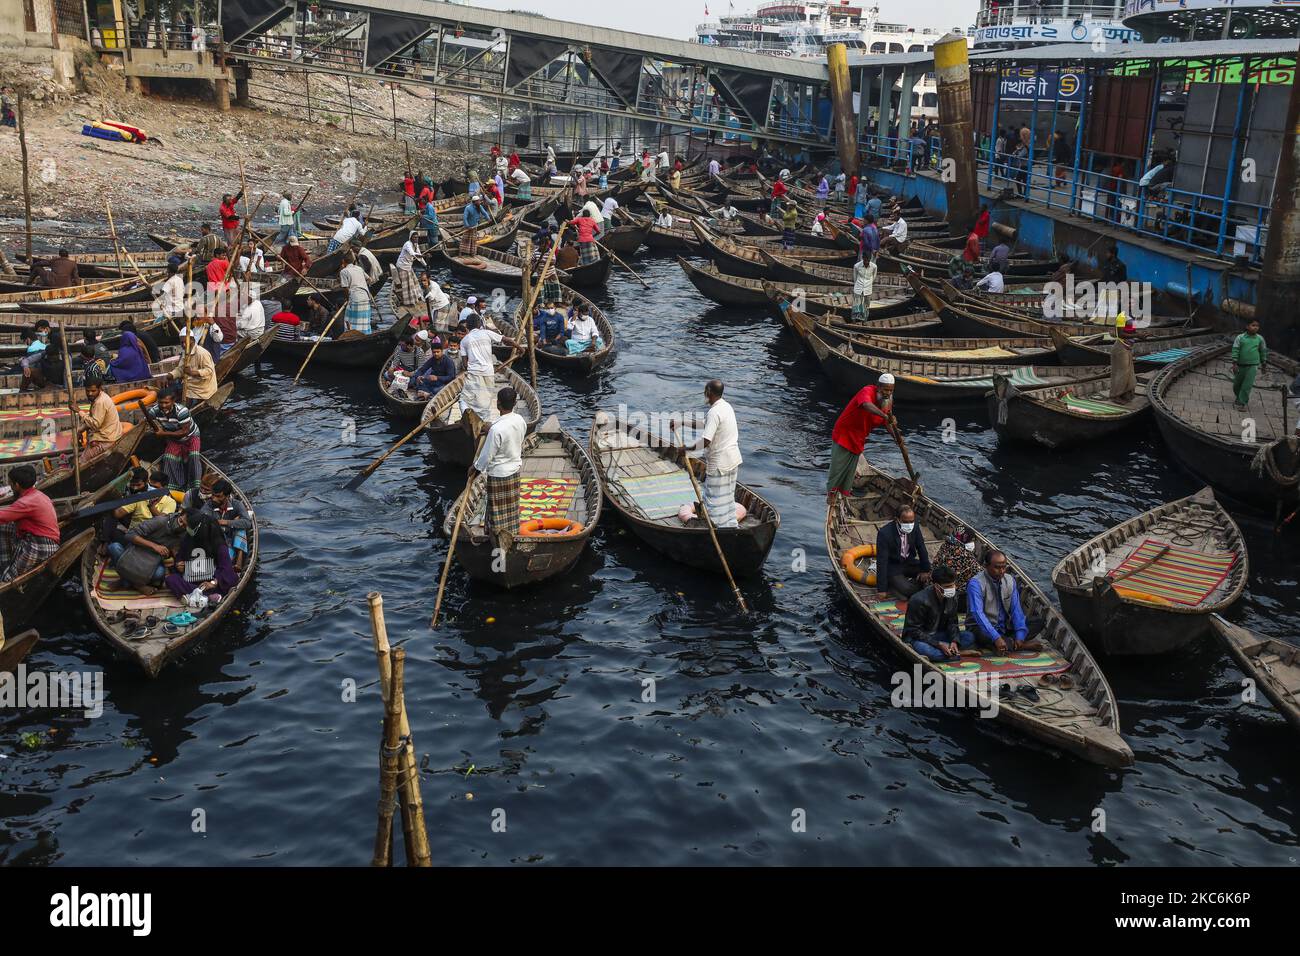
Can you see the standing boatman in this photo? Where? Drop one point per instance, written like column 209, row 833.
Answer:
column 1249, row 352
column 721, row 440
column 230, row 218
column 501, row 460
column 871, row 407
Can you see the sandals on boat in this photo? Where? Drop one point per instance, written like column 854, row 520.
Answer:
column 1062, row 681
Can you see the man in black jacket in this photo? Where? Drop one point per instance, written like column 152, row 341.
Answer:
column 902, row 563
column 931, row 622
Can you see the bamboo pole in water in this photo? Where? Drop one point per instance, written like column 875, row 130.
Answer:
column 388, row 754
column 408, row 774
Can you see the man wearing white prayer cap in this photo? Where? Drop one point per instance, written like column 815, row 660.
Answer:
column 871, row 407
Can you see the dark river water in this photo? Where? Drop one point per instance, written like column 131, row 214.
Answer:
column 531, row 702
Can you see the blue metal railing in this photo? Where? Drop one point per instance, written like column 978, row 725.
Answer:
column 1181, row 217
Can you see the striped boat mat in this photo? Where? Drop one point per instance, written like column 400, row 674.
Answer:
column 1165, row 357
column 1016, row 664
column 34, row 445
column 130, row 598
column 1180, row 575
column 37, row 414
column 958, row 355
column 1090, row 406
column 1023, row 376
column 660, row 496
column 545, row 497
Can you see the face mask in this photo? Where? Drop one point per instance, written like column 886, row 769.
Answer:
column 950, row 592
column 970, row 546
column 907, row 526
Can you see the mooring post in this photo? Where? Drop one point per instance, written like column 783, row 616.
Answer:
column 952, row 72
column 846, row 141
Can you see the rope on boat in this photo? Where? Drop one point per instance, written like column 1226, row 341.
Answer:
column 1265, row 463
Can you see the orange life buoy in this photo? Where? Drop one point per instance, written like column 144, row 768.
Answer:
column 135, row 399
column 550, row 528
column 849, row 561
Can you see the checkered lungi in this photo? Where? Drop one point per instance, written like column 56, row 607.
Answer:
column 525, row 191
column 182, row 464
column 503, row 504
column 861, row 305
column 720, row 497
column 408, row 287
column 469, row 242
column 550, row 290
column 588, row 252
column 333, row 244
column 20, row 553
column 479, row 393
column 357, row 317
column 787, row 238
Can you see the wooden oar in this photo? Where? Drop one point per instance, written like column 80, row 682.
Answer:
column 704, row 510
column 907, row 462
column 455, row 531
column 319, row 339
column 609, row 252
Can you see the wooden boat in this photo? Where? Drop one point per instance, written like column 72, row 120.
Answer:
column 1082, row 720
column 1150, row 353
column 52, row 401
column 930, row 259
column 1251, row 454
column 60, row 480
column 450, row 435
column 560, row 483
column 737, row 290
column 14, row 648
column 925, row 382
column 349, row 350
column 830, row 310
column 1149, row 584
column 111, row 290
column 625, row 239
column 926, row 349
column 496, row 268
column 1065, row 416
column 964, row 321
column 583, row 363
column 738, row 259
column 1274, row 665
column 646, row 485
column 153, row 647
column 22, row 597
column 245, row 353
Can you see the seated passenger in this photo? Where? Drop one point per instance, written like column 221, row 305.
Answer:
column 994, row 611
column 549, row 327
column 902, row 562
column 431, row 377
column 140, row 555
column 958, row 553
column 584, row 334
column 931, row 622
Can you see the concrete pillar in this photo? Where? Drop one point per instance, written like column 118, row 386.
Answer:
column 957, row 132
column 837, row 66
column 882, row 105
column 1278, row 294
column 241, row 89
column 222, row 88
column 905, row 103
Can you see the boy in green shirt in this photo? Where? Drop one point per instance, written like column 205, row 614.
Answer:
column 1249, row 352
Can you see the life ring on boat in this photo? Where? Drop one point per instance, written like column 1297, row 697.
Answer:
column 135, row 399
column 849, row 562
column 550, row 528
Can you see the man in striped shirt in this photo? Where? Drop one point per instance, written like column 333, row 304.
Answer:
column 181, row 461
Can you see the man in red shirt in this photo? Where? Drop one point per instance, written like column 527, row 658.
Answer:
column 29, row 528
column 779, row 189
column 586, row 227
column 872, row 406
column 230, row 218
column 408, row 192
column 972, row 251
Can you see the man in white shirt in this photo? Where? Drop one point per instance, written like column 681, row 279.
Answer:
column 664, row 220
column 583, row 331
column 662, row 160
column 285, row 218
column 550, row 155
column 469, row 310
column 993, row 282
column 722, row 461
column 408, row 286
column 347, row 230
column 500, row 460
column 480, row 376
column 370, row 263
column 352, row 278
column 252, row 320
column 171, row 298
column 523, row 183
column 608, row 208
column 437, row 302
column 864, row 281
column 591, row 209
column 714, row 167
column 895, row 236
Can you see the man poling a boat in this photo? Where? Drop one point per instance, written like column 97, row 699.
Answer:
column 500, row 461
column 102, row 423
column 409, row 292
column 871, row 407
column 721, row 440
column 480, row 377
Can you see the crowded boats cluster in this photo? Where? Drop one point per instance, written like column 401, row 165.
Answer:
column 119, row 361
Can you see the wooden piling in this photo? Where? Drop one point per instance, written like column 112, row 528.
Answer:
column 388, row 754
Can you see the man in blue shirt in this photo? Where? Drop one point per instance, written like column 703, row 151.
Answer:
column 993, row 608
column 873, row 207
column 868, row 239
column 430, row 378
column 548, row 326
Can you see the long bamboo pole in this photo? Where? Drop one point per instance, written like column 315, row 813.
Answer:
column 610, row 252
column 388, row 759
column 408, row 780
column 455, row 531
column 320, row 338
column 72, row 407
column 27, row 192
